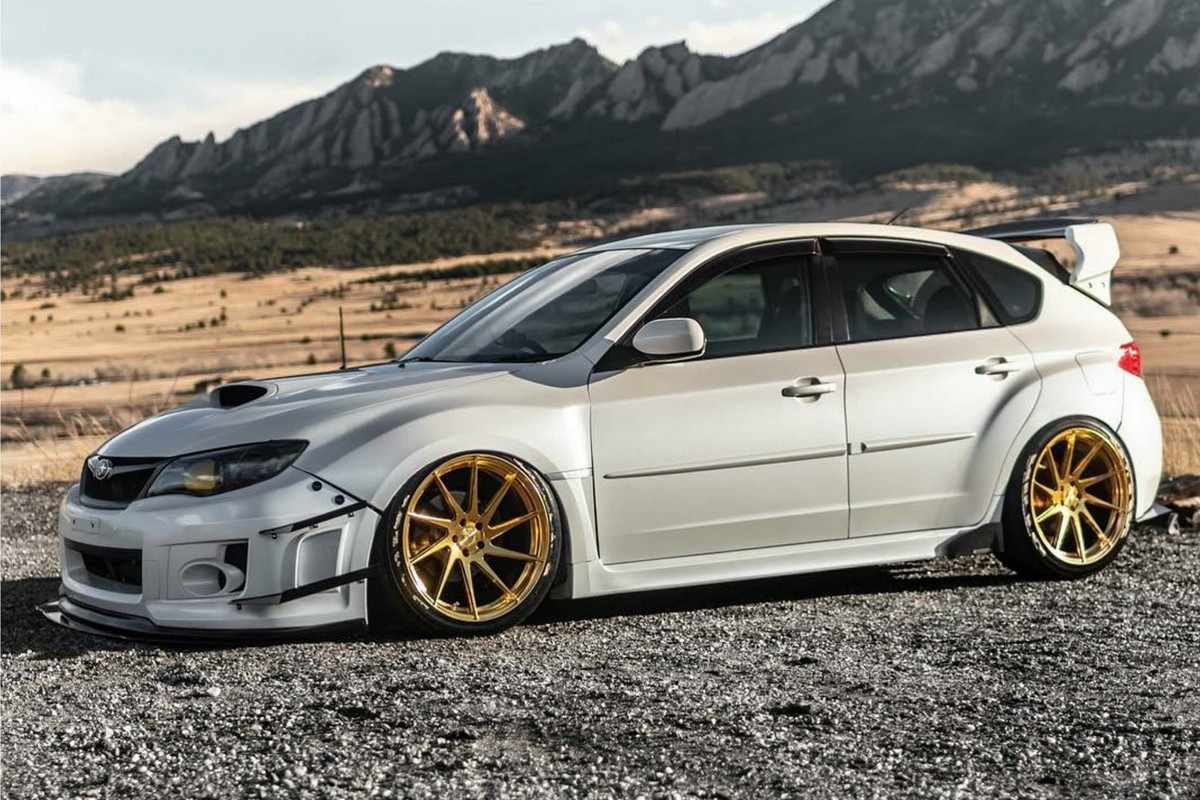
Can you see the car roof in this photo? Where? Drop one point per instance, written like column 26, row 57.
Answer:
column 691, row 238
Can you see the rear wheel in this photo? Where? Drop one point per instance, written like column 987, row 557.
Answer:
column 473, row 547
column 1070, row 504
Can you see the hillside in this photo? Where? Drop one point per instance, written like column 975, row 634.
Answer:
column 870, row 84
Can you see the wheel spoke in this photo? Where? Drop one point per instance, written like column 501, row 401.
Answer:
column 487, row 570
column 446, row 570
column 1079, row 545
column 1049, row 512
column 1044, row 488
column 504, row 527
column 1087, row 515
column 1091, row 499
column 453, row 505
column 1086, row 460
column 1050, row 462
column 473, row 492
column 1068, row 457
column 494, row 504
column 1086, row 482
column 439, row 545
column 469, row 584
column 503, row 552
column 441, row 522
column 1063, row 525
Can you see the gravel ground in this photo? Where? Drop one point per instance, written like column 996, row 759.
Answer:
column 950, row 679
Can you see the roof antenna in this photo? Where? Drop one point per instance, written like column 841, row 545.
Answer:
column 898, row 215
column 342, row 335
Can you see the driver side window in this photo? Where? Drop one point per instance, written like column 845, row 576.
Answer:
column 758, row 307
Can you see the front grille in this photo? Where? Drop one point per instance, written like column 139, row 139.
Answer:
column 129, row 477
column 115, row 564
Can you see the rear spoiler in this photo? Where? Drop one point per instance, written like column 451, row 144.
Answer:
column 1095, row 244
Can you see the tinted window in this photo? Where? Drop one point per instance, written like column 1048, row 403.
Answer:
column 548, row 311
column 1016, row 295
column 758, row 307
column 892, row 295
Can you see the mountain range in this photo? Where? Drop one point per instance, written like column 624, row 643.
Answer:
column 868, row 84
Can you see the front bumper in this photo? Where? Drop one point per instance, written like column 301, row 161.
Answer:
column 278, row 557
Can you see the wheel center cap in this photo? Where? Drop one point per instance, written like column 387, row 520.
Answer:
column 470, row 536
column 1071, row 496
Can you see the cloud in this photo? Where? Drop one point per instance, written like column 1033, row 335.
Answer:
column 48, row 125
column 718, row 37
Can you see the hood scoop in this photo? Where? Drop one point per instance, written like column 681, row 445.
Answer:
column 238, row 394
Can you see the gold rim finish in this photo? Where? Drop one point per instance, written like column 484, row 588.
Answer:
column 474, row 538
column 1080, row 497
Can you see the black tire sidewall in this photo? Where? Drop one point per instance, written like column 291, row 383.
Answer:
column 1022, row 544
column 398, row 594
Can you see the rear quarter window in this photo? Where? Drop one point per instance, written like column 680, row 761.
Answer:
column 1015, row 295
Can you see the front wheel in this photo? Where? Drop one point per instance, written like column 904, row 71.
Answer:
column 1070, row 503
column 472, row 545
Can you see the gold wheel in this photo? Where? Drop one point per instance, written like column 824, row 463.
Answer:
column 474, row 538
column 1079, row 496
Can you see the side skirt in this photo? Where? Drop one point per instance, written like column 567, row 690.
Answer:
column 594, row 578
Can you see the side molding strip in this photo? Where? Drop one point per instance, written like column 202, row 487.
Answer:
column 781, row 458
column 916, row 441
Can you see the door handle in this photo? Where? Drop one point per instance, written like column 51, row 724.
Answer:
column 809, row 387
column 997, row 366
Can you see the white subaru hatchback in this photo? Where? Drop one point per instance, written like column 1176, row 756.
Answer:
column 675, row 409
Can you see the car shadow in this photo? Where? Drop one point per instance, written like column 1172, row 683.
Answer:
column 25, row 633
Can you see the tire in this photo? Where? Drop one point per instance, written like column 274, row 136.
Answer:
column 1069, row 504
column 463, row 561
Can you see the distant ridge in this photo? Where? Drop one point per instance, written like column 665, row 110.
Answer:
column 870, row 83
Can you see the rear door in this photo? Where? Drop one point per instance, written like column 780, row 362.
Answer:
column 936, row 388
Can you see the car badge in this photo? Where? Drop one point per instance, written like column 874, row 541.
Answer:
column 101, row 467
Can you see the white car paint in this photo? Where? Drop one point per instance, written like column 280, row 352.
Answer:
column 666, row 475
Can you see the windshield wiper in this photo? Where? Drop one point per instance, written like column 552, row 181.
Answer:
column 517, row 358
column 415, row 360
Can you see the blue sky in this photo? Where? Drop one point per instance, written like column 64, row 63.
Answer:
column 94, row 85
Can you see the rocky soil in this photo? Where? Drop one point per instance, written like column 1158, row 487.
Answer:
column 952, row 679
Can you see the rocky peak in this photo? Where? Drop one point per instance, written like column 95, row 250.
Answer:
column 884, row 67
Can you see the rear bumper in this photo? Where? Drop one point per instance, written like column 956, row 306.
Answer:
column 272, row 558
column 1141, row 432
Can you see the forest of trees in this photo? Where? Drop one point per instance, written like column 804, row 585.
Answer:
column 90, row 261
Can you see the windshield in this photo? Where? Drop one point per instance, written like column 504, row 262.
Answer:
column 547, row 312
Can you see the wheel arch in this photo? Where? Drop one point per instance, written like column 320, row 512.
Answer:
column 374, row 544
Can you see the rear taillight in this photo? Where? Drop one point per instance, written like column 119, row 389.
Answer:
column 1131, row 359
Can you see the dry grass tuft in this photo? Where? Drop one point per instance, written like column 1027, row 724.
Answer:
column 1180, row 411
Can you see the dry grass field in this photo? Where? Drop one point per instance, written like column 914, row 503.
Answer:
column 107, row 364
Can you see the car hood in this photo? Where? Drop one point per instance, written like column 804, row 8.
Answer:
column 315, row 407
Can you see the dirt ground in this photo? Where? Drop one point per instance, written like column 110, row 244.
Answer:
column 949, row 679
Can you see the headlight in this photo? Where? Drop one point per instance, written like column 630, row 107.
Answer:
column 219, row 471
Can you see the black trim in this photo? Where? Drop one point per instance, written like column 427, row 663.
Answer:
column 845, row 245
column 288, row 595
column 1026, row 230
column 100, row 622
column 337, row 488
column 103, row 552
column 314, row 521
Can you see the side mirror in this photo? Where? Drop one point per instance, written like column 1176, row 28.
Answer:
column 674, row 337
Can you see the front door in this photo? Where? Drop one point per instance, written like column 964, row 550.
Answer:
column 741, row 448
